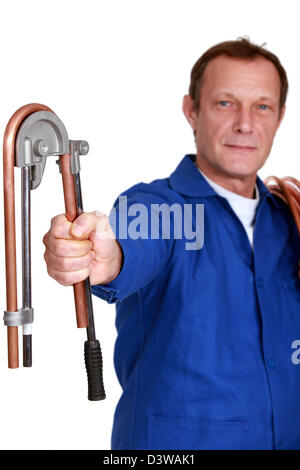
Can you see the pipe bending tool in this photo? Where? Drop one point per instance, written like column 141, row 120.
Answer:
column 34, row 133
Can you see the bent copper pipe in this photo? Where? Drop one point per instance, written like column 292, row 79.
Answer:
column 9, row 222
column 288, row 189
column 9, row 144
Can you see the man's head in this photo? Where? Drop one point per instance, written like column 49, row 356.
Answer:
column 236, row 99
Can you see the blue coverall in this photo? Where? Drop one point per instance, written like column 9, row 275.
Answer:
column 206, row 337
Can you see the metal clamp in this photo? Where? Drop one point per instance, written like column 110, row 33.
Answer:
column 23, row 316
column 77, row 148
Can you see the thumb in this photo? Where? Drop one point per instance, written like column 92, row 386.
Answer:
column 86, row 223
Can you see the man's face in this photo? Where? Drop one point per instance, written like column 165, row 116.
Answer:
column 238, row 115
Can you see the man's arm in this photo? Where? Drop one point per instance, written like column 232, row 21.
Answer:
column 120, row 261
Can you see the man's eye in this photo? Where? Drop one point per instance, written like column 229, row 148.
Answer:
column 224, row 103
column 263, row 106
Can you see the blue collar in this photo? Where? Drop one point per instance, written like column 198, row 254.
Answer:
column 187, row 180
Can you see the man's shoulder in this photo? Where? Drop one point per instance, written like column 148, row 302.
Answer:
column 157, row 189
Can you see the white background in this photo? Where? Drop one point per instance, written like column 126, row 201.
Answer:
column 115, row 72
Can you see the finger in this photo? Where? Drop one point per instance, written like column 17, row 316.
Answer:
column 68, row 248
column 65, row 264
column 70, row 278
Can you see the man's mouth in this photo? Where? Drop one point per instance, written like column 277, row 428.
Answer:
column 241, row 148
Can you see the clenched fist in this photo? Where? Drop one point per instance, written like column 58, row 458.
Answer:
column 86, row 247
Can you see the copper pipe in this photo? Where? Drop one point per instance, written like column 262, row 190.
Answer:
column 9, row 221
column 288, row 189
column 71, row 214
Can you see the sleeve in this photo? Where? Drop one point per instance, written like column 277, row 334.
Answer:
column 147, row 243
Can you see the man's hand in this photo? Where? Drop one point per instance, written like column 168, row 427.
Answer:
column 86, row 247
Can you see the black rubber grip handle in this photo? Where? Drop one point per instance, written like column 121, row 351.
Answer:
column 93, row 364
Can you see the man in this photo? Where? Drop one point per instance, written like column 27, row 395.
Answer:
column 206, row 333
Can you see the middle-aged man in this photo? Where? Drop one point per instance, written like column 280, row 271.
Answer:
column 205, row 352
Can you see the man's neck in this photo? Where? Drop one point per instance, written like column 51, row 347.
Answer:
column 243, row 186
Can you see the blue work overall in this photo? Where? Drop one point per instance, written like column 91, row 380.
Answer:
column 206, row 351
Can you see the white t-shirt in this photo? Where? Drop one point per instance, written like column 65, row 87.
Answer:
column 244, row 207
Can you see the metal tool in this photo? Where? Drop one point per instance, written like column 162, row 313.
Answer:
column 33, row 134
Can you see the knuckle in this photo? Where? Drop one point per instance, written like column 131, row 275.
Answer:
column 57, row 230
column 58, row 217
column 53, row 221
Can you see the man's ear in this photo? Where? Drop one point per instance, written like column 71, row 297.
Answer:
column 282, row 113
column 188, row 108
column 281, row 117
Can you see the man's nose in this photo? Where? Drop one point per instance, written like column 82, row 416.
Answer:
column 243, row 121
